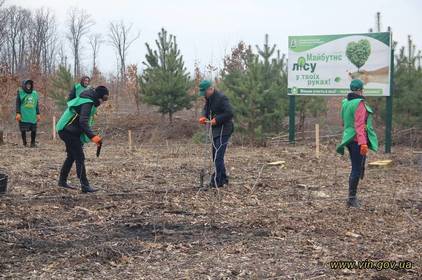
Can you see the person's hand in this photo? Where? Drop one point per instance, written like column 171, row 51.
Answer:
column 363, row 150
column 214, row 121
column 18, row 117
column 202, row 120
column 38, row 117
column 97, row 140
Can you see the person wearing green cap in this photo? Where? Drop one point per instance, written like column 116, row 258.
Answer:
column 219, row 113
column 358, row 136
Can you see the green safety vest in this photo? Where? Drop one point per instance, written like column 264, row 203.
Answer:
column 79, row 89
column 348, row 110
column 29, row 102
column 69, row 115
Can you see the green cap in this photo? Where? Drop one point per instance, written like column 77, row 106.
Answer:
column 356, row 85
column 203, row 86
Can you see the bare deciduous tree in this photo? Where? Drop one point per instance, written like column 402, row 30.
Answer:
column 17, row 20
column 119, row 38
column 95, row 40
column 3, row 21
column 79, row 23
column 61, row 53
column 42, row 43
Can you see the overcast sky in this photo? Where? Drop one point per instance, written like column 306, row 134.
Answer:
column 207, row 30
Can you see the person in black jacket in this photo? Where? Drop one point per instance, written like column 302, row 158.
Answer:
column 71, row 135
column 219, row 113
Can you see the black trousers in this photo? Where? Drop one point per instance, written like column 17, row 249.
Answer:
column 219, row 177
column 75, row 153
column 356, row 159
column 24, row 127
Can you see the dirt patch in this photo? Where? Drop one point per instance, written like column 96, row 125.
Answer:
column 149, row 221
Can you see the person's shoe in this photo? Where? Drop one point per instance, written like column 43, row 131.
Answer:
column 207, row 187
column 212, row 185
column 353, row 202
column 87, row 189
column 33, row 145
column 66, row 186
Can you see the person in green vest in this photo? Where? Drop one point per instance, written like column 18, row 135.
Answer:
column 27, row 111
column 74, row 128
column 358, row 135
column 79, row 88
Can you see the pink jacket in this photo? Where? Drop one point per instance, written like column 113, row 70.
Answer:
column 361, row 115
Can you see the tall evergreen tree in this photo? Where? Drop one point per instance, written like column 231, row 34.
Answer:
column 407, row 88
column 258, row 90
column 165, row 81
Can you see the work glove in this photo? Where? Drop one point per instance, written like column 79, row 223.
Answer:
column 363, row 150
column 38, row 117
column 202, row 120
column 214, row 121
column 97, row 140
column 18, row 117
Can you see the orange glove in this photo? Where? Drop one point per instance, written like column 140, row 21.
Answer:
column 214, row 121
column 363, row 150
column 97, row 140
column 38, row 118
column 18, row 117
column 202, row 120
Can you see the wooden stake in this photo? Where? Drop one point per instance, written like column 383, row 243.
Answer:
column 130, row 138
column 54, row 128
column 317, row 140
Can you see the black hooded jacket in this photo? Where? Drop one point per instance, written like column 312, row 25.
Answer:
column 18, row 99
column 81, row 123
column 218, row 106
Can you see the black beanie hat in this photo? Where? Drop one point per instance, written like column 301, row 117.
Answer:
column 101, row 91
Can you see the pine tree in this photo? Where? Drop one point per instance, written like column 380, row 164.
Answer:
column 61, row 84
column 165, row 81
column 257, row 90
column 407, row 88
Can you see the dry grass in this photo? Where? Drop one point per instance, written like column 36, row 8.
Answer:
column 149, row 221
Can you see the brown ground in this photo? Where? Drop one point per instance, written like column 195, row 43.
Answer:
column 148, row 221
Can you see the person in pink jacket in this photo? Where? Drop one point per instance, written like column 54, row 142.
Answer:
column 358, row 136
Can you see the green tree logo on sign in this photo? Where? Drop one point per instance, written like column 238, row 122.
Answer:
column 358, row 53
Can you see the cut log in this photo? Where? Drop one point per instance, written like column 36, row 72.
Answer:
column 275, row 163
column 381, row 163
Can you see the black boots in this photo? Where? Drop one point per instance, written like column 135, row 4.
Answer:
column 87, row 189
column 33, row 136
column 353, row 187
column 212, row 185
column 23, row 135
column 65, row 185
